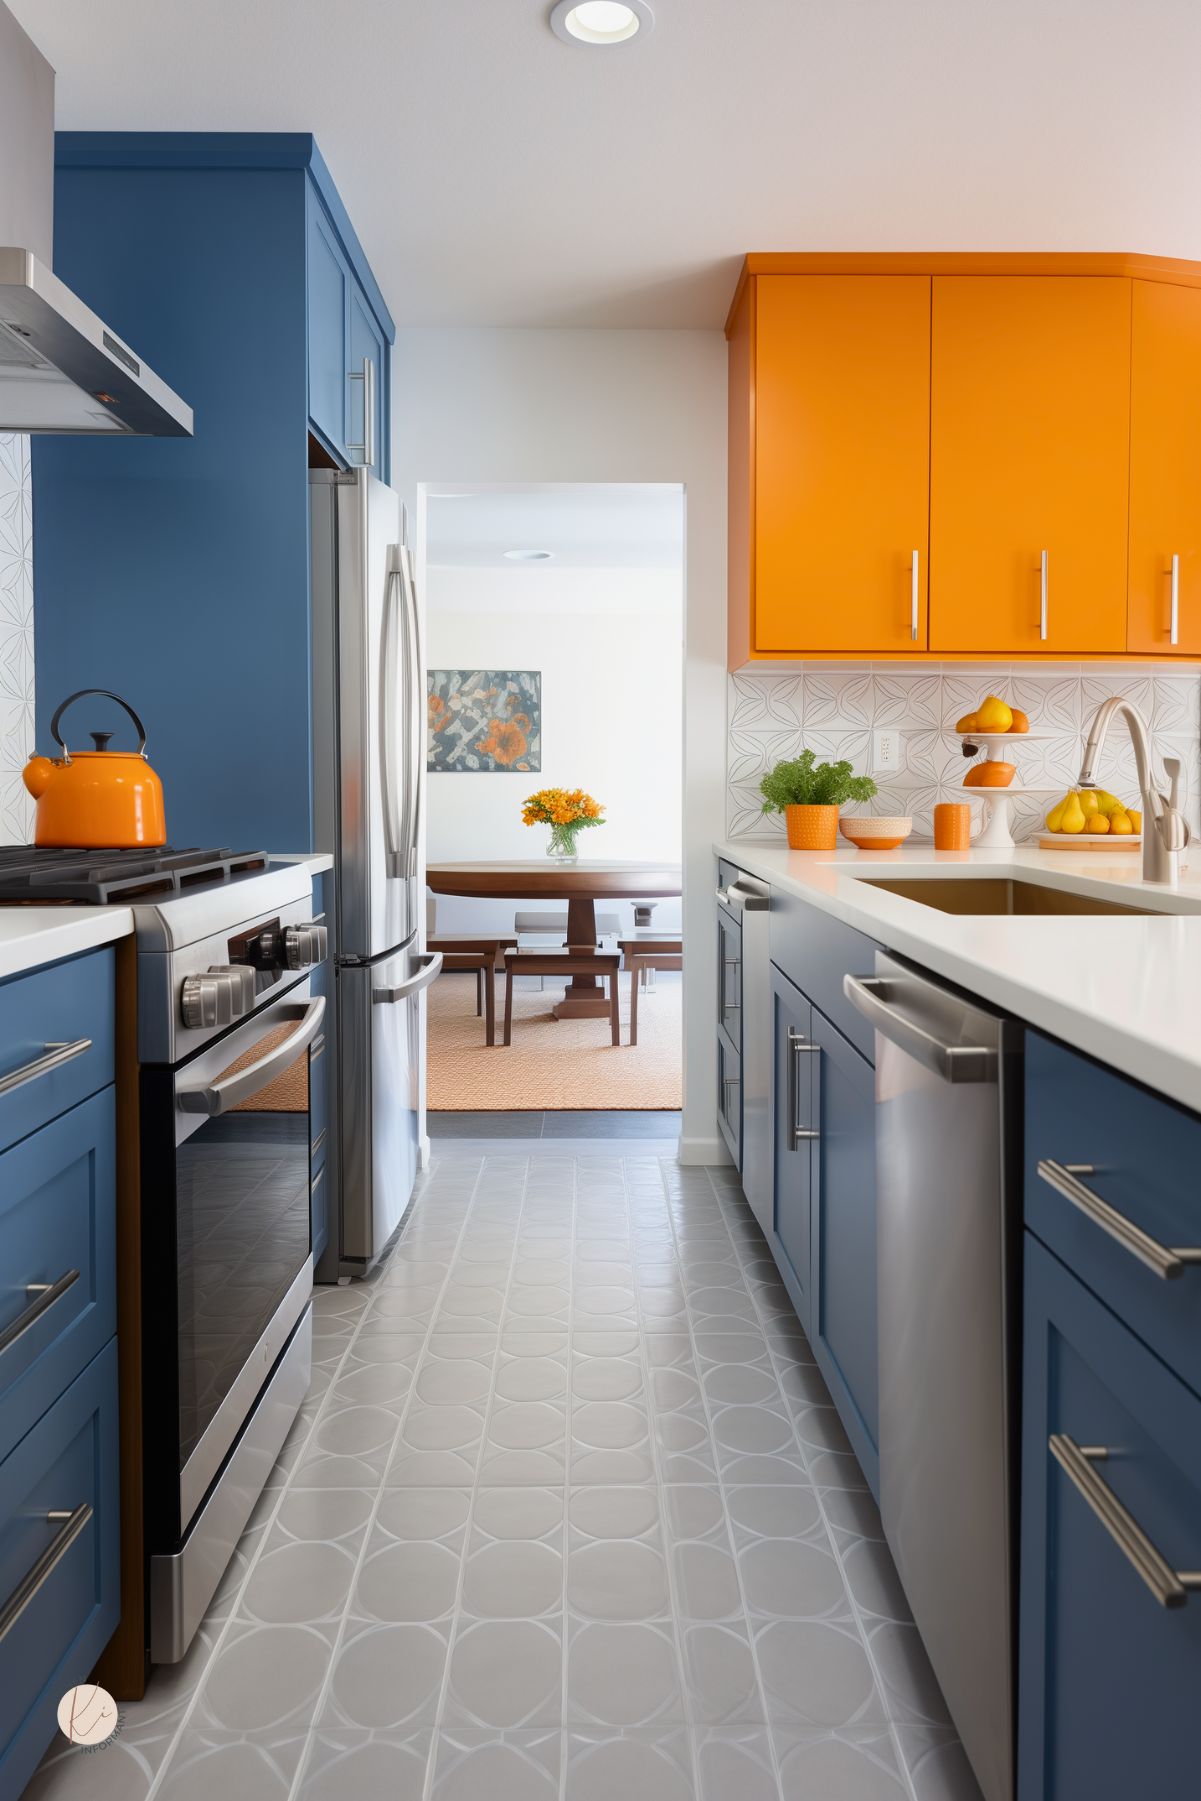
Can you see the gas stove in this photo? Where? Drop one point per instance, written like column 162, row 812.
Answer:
column 219, row 933
column 105, row 877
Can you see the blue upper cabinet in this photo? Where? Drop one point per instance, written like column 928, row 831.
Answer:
column 348, row 352
column 176, row 571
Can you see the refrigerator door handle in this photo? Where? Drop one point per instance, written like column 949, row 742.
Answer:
column 430, row 967
column 387, row 751
column 415, row 716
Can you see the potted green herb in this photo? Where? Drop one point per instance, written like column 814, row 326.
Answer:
column 809, row 794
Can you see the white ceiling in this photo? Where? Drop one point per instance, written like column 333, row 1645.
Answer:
column 613, row 525
column 498, row 176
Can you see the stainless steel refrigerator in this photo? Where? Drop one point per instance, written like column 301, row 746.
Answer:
column 369, row 742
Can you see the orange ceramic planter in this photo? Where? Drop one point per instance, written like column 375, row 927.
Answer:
column 811, row 828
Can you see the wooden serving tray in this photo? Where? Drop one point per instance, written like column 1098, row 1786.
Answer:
column 1089, row 841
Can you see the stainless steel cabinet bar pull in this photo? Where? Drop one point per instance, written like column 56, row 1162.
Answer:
column 1170, row 1587
column 1064, row 1178
column 953, row 1062
column 431, row 965
column 44, row 1296
column 1042, row 602
column 1174, row 627
column 729, row 1006
column 218, row 1097
column 72, row 1525
column 366, row 447
column 798, row 1047
column 53, row 1057
column 915, row 590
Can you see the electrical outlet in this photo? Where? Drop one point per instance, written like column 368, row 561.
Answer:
column 886, row 753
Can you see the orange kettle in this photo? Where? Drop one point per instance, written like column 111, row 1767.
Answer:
column 96, row 799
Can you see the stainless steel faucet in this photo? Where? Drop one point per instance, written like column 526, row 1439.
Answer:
column 1165, row 831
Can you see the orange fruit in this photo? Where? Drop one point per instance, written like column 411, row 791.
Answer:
column 1096, row 823
column 1020, row 721
column 990, row 775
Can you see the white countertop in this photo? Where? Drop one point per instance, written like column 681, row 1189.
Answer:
column 31, row 936
column 315, row 861
column 1125, row 989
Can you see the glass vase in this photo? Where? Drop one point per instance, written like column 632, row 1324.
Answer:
column 562, row 847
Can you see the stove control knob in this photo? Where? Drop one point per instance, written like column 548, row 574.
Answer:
column 305, row 945
column 207, row 1001
column 265, row 949
column 241, row 978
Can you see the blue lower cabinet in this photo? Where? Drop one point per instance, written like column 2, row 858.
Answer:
column 1110, row 1646
column 58, row 1289
column 67, row 1008
column 729, row 1097
column 59, row 1562
column 1109, row 1166
column 842, row 1323
column 792, row 1162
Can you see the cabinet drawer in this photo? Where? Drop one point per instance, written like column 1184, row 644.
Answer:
column 66, row 1466
column 1141, row 1155
column 729, row 1097
column 61, row 1005
column 815, row 952
column 1109, row 1676
column 57, row 1235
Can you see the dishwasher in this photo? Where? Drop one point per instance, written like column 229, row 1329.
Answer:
column 949, row 1264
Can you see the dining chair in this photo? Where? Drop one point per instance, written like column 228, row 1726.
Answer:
column 642, row 956
column 563, row 964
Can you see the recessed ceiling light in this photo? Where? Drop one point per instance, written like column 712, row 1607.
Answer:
column 529, row 556
column 600, row 21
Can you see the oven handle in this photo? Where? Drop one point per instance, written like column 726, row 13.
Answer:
column 218, row 1097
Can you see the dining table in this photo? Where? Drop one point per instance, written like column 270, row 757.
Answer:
column 580, row 884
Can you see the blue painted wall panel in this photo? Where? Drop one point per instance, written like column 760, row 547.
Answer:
column 176, row 571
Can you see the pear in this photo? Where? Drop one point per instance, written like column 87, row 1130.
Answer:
column 1089, row 802
column 1073, row 815
column 1056, row 814
column 968, row 723
column 1120, row 823
column 1108, row 803
column 992, row 715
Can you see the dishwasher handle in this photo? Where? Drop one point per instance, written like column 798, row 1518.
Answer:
column 953, row 1062
column 742, row 900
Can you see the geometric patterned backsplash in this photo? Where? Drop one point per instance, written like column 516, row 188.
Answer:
column 833, row 709
column 16, row 638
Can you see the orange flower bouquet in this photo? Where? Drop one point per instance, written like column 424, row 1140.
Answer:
column 567, row 811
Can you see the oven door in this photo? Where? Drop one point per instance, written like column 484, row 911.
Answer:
column 242, row 1239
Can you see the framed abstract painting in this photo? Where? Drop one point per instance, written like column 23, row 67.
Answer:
column 484, row 721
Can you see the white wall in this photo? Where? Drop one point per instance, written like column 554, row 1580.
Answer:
column 609, row 646
column 16, row 638
column 479, row 406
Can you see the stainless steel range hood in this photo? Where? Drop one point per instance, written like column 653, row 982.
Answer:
column 63, row 370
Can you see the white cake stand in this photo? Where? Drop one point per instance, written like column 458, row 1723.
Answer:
column 997, row 832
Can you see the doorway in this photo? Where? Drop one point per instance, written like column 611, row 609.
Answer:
column 555, row 658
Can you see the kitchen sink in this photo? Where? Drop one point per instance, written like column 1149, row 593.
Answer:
column 1000, row 894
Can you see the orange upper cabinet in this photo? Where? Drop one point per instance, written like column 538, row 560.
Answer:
column 1165, row 471
column 1030, row 430
column 830, row 465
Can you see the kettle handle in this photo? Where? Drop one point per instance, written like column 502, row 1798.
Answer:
column 108, row 694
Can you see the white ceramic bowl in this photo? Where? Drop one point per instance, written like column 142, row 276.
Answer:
column 867, row 831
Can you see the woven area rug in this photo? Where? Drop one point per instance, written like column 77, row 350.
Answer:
column 552, row 1064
